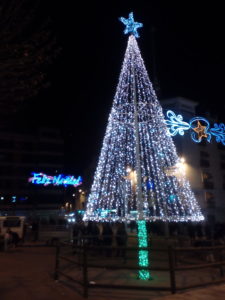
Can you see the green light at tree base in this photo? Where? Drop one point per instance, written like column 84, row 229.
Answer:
column 143, row 254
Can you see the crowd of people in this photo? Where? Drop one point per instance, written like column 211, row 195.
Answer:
column 200, row 231
column 101, row 234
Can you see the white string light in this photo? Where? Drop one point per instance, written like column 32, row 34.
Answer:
column 166, row 196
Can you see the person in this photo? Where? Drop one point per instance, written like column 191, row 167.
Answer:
column 121, row 240
column 1, row 240
column 132, row 226
column 95, row 234
column 15, row 238
column 7, row 239
column 107, row 238
column 24, row 236
column 75, row 234
column 35, row 230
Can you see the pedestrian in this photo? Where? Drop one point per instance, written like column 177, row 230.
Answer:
column 95, row 234
column 24, row 236
column 15, row 238
column 7, row 239
column 132, row 226
column 121, row 240
column 35, row 230
column 75, row 234
column 107, row 238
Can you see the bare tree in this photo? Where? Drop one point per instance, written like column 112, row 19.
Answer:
column 28, row 46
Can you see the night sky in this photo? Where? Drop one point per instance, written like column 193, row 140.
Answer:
column 188, row 60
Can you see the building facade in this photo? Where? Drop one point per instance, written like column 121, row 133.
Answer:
column 204, row 163
column 20, row 155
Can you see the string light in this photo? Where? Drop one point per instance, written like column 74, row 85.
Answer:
column 136, row 153
column 43, row 179
column 111, row 190
column 131, row 26
column 143, row 254
column 176, row 125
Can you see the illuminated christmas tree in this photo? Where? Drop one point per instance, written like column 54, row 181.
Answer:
column 139, row 174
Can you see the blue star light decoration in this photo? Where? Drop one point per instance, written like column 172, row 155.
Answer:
column 131, row 26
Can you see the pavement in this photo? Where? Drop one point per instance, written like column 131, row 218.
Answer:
column 27, row 273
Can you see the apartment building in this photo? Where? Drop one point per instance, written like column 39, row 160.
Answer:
column 20, row 155
column 204, row 162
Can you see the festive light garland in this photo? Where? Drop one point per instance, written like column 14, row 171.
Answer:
column 199, row 125
column 143, row 254
column 111, row 189
column 131, row 26
column 132, row 172
column 43, row 179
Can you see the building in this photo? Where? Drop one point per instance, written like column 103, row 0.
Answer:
column 205, row 163
column 20, row 155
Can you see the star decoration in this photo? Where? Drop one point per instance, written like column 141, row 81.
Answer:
column 200, row 130
column 131, row 26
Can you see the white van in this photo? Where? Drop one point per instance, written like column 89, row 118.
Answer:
column 16, row 224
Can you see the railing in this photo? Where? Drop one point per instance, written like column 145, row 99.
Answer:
column 78, row 257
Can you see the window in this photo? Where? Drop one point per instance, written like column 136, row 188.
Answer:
column 208, row 185
column 221, row 146
column 222, row 156
column 12, row 222
column 202, row 143
column 204, row 163
column 51, row 147
column 28, row 158
column 27, row 146
column 204, row 154
column 50, row 159
column 5, row 144
column 207, row 180
column 204, row 159
column 211, row 219
column 210, row 200
column 6, row 170
column 223, row 184
column 222, row 162
column 6, row 156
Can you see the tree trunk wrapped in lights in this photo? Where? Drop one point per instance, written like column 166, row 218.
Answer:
column 137, row 176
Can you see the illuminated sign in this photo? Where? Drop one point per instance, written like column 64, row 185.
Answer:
column 41, row 178
column 199, row 126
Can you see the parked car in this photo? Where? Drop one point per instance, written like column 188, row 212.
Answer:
column 14, row 223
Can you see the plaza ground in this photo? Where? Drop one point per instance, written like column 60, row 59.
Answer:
column 27, row 273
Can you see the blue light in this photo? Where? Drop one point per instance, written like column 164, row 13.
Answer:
column 131, row 25
column 41, row 178
column 172, row 198
column 23, row 198
column 200, row 128
column 219, row 132
column 175, row 124
column 13, row 199
column 150, row 185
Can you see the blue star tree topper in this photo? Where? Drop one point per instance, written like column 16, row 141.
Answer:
column 131, row 26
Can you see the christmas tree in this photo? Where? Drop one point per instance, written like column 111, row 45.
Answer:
column 139, row 174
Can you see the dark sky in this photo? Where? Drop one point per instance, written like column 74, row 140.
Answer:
column 189, row 56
